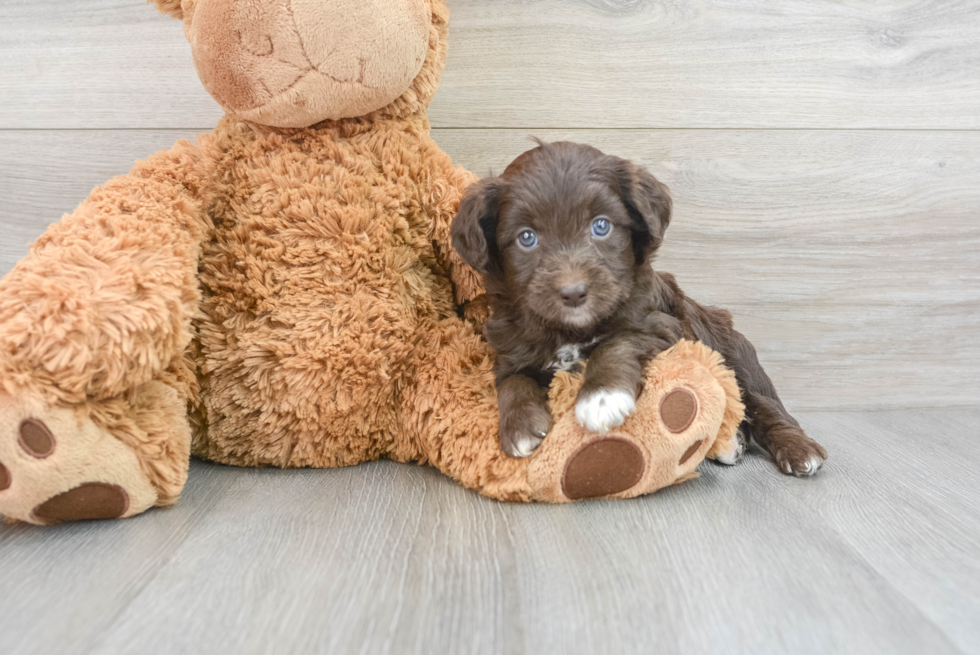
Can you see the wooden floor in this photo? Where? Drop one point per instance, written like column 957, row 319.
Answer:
column 877, row 554
column 824, row 158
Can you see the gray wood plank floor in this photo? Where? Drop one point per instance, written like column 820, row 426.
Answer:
column 877, row 554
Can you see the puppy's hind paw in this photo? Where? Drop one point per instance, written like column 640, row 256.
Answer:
column 730, row 453
column 601, row 410
column 800, row 456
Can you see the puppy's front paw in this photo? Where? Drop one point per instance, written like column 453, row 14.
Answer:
column 602, row 409
column 522, row 432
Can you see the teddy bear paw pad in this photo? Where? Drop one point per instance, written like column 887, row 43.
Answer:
column 35, row 438
column 92, row 500
column 601, row 468
column 689, row 453
column 56, row 466
column 678, row 409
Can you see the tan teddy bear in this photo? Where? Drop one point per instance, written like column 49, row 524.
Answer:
column 283, row 293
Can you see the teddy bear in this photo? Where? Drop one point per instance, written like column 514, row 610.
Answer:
column 283, row 292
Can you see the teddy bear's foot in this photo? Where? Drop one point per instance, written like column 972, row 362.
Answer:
column 676, row 423
column 689, row 409
column 614, row 465
column 56, row 466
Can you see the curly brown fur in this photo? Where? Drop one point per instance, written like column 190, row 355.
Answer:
column 276, row 283
column 562, row 288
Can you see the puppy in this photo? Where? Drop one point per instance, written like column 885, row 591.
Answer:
column 565, row 239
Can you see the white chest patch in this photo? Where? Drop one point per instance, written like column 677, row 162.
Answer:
column 569, row 355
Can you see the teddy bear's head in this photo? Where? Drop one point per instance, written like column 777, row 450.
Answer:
column 293, row 63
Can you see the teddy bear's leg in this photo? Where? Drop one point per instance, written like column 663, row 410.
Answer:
column 690, row 407
column 448, row 414
column 90, row 321
column 103, row 459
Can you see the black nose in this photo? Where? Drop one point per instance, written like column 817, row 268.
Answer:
column 573, row 296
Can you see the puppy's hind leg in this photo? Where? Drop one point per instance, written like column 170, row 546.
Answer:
column 766, row 420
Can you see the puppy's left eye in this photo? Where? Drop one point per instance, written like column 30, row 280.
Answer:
column 601, row 226
column 527, row 239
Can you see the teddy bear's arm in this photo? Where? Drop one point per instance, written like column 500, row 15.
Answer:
column 104, row 300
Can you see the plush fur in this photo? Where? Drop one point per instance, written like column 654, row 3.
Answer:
column 282, row 296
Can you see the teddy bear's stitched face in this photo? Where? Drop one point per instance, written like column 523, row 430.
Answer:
column 293, row 63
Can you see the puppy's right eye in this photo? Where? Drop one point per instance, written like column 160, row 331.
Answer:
column 527, row 239
column 601, row 226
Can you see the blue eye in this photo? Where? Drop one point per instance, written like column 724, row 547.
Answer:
column 527, row 239
column 601, row 226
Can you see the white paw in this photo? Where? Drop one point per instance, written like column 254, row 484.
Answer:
column 526, row 445
column 604, row 409
column 728, row 457
column 804, row 468
column 810, row 467
column 733, row 451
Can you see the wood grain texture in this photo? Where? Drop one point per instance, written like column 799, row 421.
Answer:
column 849, row 258
column 712, row 63
column 549, row 63
column 62, row 588
column 97, row 64
column 902, row 507
column 871, row 556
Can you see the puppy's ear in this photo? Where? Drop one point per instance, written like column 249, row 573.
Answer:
column 475, row 226
column 648, row 202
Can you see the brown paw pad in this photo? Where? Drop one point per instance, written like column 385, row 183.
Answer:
column 678, row 410
column 35, row 438
column 92, row 500
column 689, row 453
column 601, row 468
column 4, row 477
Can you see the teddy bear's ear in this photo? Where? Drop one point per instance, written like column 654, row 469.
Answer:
column 475, row 226
column 171, row 7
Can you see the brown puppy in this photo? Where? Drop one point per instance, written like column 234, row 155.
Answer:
column 565, row 241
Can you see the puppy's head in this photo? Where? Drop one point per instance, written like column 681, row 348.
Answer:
column 564, row 231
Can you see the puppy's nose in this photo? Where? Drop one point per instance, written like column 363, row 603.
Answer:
column 573, row 296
